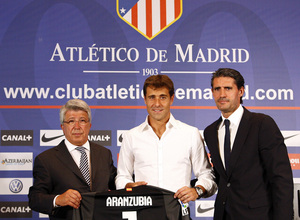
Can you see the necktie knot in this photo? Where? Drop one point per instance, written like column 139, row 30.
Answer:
column 80, row 149
column 226, row 122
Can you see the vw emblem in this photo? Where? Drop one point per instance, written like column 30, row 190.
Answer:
column 16, row 186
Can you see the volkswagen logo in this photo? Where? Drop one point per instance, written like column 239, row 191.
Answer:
column 16, row 186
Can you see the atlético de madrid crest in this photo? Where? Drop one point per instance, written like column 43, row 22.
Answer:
column 149, row 17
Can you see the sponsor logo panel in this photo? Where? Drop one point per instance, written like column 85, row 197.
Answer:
column 54, row 137
column 291, row 138
column 296, row 180
column 120, row 137
column 15, row 186
column 204, row 208
column 15, row 210
column 102, row 137
column 51, row 137
column 17, row 137
column 16, row 161
column 295, row 161
column 41, row 215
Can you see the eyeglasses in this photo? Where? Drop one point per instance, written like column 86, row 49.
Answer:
column 72, row 122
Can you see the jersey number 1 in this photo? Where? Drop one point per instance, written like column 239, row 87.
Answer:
column 129, row 215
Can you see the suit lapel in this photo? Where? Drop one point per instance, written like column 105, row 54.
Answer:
column 94, row 158
column 240, row 139
column 64, row 155
column 96, row 162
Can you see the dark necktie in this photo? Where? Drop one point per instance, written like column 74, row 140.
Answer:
column 84, row 165
column 227, row 144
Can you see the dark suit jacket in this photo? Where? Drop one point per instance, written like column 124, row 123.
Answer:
column 259, row 183
column 55, row 172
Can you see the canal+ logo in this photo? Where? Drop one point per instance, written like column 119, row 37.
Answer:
column 17, row 137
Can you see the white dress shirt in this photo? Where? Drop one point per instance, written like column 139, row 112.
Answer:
column 167, row 162
column 76, row 154
column 234, row 119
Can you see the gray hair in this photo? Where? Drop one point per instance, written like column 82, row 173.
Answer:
column 76, row 105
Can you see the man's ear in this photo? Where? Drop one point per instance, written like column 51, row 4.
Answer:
column 172, row 99
column 241, row 91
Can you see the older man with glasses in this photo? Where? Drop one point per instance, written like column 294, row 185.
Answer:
column 73, row 167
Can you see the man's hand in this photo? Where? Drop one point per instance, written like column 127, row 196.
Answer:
column 69, row 198
column 131, row 185
column 186, row 194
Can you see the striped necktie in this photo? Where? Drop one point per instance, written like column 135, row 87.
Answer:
column 84, row 165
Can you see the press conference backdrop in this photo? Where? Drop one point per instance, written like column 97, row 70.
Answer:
column 102, row 51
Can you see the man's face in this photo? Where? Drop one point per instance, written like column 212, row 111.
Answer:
column 158, row 102
column 226, row 95
column 77, row 134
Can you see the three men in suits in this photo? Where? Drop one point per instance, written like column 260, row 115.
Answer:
column 254, row 175
column 58, row 179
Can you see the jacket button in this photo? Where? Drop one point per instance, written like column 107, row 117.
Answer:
column 228, row 184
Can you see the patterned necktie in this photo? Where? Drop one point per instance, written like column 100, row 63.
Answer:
column 84, row 165
column 227, row 144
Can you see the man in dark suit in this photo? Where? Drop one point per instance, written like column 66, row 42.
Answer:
column 58, row 176
column 249, row 157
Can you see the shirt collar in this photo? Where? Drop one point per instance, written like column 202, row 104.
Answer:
column 171, row 123
column 72, row 147
column 235, row 117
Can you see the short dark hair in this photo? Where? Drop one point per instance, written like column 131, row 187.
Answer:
column 227, row 72
column 159, row 81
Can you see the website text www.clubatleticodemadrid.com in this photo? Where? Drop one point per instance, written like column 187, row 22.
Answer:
column 115, row 92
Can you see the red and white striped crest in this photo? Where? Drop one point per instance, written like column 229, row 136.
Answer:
column 149, row 17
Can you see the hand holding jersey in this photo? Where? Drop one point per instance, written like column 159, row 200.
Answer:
column 187, row 194
column 69, row 198
column 135, row 184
